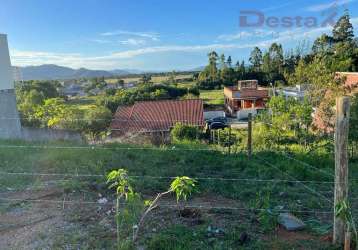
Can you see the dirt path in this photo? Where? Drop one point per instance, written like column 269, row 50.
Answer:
column 28, row 225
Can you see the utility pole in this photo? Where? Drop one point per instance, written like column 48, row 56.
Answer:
column 341, row 164
column 249, row 135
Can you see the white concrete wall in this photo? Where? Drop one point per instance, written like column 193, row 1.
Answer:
column 244, row 113
column 6, row 73
column 10, row 126
column 212, row 114
column 44, row 134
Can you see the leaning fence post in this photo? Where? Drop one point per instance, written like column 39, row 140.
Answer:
column 341, row 164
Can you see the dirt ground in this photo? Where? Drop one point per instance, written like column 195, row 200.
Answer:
column 25, row 225
column 32, row 225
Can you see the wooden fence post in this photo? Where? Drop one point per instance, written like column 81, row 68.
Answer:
column 219, row 139
column 249, row 135
column 230, row 140
column 341, row 164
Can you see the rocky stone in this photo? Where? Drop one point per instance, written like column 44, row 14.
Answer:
column 290, row 222
column 102, row 200
column 244, row 237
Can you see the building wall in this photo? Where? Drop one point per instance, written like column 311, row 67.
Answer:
column 10, row 126
column 6, row 73
column 247, row 104
column 228, row 92
column 212, row 114
column 44, row 134
column 244, row 113
column 260, row 103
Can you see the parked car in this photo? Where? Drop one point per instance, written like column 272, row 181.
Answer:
column 217, row 119
column 217, row 125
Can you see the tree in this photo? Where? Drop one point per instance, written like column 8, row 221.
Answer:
column 226, row 72
column 229, row 62
column 97, row 121
column 240, row 70
column 322, row 46
column 276, row 57
column 300, row 75
column 209, row 78
column 51, row 112
column 120, row 83
column 287, row 118
column 223, row 61
column 256, row 58
column 343, row 29
column 146, row 79
column 172, row 77
column 213, row 69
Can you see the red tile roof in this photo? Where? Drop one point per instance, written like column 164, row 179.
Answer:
column 351, row 78
column 235, row 93
column 253, row 93
column 152, row 116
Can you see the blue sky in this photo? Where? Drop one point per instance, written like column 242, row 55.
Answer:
column 155, row 34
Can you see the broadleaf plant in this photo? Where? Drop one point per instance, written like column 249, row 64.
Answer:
column 119, row 180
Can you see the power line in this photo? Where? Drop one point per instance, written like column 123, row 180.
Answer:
column 76, row 175
column 308, row 188
column 299, row 161
column 107, row 148
column 200, row 206
column 97, row 119
column 306, row 164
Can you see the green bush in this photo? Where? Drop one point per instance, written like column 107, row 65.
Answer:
column 185, row 132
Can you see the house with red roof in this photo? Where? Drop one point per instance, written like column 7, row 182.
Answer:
column 326, row 123
column 350, row 79
column 156, row 117
column 245, row 96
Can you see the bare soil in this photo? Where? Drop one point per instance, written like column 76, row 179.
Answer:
column 26, row 225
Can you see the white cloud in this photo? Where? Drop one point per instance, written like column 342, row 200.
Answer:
column 132, row 41
column 100, row 41
column 276, row 7
column 113, row 60
column 236, row 36
column 177, row 48
column 354, row 21
column 258, row 33
column 326, row 6
column 298, row 34
column 149, row 35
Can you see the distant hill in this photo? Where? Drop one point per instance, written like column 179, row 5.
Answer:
column 201, row 68
column 55, row 72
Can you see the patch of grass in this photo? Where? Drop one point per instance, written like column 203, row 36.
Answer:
column 212, row 97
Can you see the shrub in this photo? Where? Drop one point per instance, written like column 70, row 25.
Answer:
column 185, row 132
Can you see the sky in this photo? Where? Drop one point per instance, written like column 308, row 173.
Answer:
column 159, row 35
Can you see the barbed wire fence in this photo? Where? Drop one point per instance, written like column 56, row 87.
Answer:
column 311, row 186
